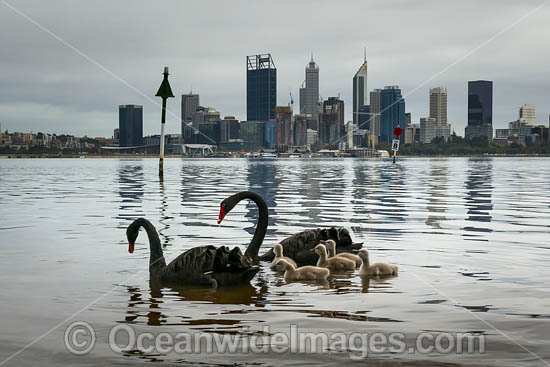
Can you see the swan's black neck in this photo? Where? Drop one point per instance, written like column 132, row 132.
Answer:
column 156, row 259
column 261, row 227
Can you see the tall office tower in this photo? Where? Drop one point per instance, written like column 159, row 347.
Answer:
column 261, row 87
column 438, row 105
column 392, row 112
column 130, row 125
column 331, row 124
column 480, row 109
column 527, row 114
column 309, row 93
column 360, row 91
column 374, row 111
column 189, row 104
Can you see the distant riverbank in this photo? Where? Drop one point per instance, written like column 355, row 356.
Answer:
column 34, row 156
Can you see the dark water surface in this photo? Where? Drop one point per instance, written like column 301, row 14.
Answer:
column 470, row 236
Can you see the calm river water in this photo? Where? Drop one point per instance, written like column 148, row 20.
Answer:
column 470, row 236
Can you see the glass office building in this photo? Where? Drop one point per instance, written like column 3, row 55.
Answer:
column 261, row 88
column 392, row 112
column 130, row 125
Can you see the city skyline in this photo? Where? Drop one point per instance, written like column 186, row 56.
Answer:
column 58, row 90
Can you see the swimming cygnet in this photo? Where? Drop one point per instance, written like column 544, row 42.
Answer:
column 302, row 273
column 375, row 269
column 334, row 263
column 278, row 251
column 331, row 247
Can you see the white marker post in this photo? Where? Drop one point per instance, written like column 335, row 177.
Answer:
column 395, row 148
column 164, row 92
column 395, row 143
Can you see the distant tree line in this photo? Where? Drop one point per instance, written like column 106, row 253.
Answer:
column 457, row 145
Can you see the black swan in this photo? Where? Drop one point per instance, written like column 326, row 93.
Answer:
column 301, row 246
column 205, row 265
column 229, row 203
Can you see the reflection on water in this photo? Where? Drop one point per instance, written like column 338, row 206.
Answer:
column 479, row 186
column 437, row 187
column 130, row 188
column 469, row 236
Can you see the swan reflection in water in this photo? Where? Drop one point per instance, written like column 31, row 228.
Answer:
column 157, row 295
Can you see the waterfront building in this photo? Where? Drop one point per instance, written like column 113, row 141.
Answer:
column 229, row 129
column 270, row 134
column 191, row 131
column 312, row 137
column 392, row 112
column 309, row 92
column 480, row 109
column 350, row 128
column 300, row 130
column 252, row 134
column 130, row 125
column 360, row 91
column 331, row 124
column 427, row 129
column 438, row 105
column 209, row 133
column 542, row 132
column 284, row 127
column 189, row 104
column 528, row 115
column 518, row 131
column 443, row 131
column 412, row 134
column 261, row 87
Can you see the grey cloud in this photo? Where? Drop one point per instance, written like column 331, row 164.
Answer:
column 46, row 86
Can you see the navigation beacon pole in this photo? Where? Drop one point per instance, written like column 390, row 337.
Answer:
column 164, row 92
column 395, row 144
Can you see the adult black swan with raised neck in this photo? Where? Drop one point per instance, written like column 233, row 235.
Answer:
column 204, row 265
column 261, row 228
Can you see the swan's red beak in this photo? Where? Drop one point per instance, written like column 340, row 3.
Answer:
column 222, row 215
column 130, row 247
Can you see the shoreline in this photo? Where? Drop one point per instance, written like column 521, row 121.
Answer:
column 130, row 156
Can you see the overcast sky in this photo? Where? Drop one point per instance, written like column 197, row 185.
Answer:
column 47, row 86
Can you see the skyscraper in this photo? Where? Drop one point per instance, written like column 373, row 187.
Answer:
column 309, row 93
column 130, row 125
column 360, row 92
column 438, row 105
column 480, row 109
column 189, row 104
column 374, row 110
column 261, row 87
column 392, row 112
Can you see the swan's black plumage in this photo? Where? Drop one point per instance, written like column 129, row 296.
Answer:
column 205, row 265
column 300, row 247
